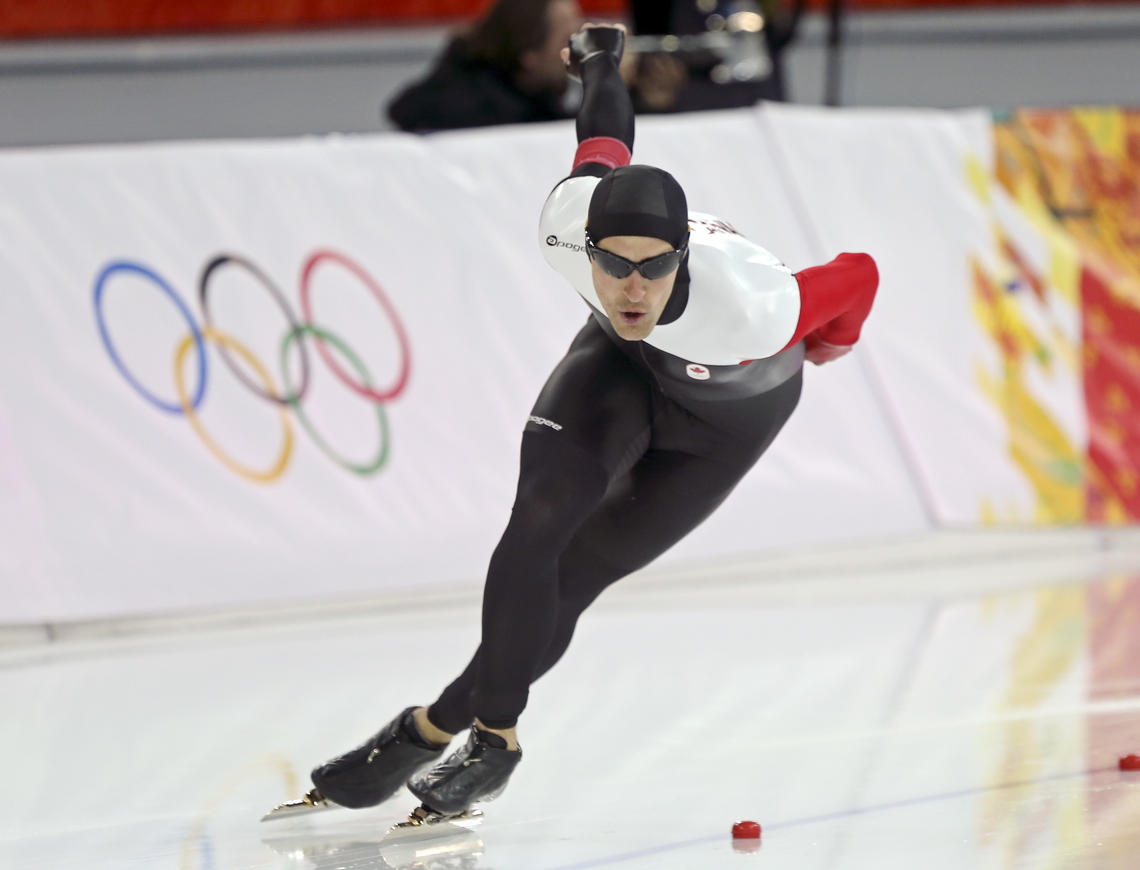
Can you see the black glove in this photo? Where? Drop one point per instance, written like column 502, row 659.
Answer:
column 592, row 41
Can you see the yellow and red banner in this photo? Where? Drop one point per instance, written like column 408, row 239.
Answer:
column 1078, row 172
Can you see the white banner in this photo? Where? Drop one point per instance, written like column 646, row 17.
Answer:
column 440, row 321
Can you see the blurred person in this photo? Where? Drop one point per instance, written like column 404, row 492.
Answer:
column 661, row 82
column 689, row 364
column 781, row 23
column 506, row 69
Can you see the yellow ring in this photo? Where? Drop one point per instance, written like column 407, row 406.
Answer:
column 221, row 338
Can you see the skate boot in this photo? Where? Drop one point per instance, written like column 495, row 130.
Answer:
column 477, row 771
column 374, row 771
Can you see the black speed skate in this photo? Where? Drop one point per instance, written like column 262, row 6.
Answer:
column 478, row 771
column 369, row 774
column 374, row 771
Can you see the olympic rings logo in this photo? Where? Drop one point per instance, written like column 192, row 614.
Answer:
column 290, row 396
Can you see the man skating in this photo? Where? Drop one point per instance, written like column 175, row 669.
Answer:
column 688, row 366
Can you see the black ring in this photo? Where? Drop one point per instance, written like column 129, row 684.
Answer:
column 279, row 298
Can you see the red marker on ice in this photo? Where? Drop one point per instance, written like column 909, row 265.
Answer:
column 746, row 831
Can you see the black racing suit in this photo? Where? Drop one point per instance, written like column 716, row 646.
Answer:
column 621, row 459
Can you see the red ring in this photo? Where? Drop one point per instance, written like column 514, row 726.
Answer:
column 389, row 310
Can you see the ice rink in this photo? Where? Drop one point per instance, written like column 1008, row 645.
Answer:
column 953, row 702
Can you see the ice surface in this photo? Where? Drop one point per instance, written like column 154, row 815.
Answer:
column 919, row 707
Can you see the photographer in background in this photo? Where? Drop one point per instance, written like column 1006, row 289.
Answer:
column 505, row 69
column 670, row 82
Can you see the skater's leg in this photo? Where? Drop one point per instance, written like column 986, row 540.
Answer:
column 600, row 409
column 580, row 571
column 452, row 711
column 667, row 492
column 559, row 485
column 428, row 729
column 628, row 528
column 589, row 424
column 558, row 488
column 657, row 511
column 666, row 495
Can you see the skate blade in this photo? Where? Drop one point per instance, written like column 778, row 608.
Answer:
column 428, row 823
column 312, row 802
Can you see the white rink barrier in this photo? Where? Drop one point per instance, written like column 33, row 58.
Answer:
column 416, row 260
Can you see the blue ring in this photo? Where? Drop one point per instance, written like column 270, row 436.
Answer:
column 100, row 283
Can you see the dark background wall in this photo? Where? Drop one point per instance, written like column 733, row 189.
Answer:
column 314, row 82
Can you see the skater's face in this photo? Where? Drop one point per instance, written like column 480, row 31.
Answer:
column 633, row 303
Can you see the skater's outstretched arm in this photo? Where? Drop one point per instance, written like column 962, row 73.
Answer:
column 835, row 299
column 605, row 118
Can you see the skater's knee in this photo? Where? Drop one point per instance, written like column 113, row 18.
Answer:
column 584, row 573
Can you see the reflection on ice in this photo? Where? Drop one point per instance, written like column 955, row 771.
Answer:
column 442, row 847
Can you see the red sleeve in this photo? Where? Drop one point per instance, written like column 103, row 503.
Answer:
column 836, row 298
column 602, row 149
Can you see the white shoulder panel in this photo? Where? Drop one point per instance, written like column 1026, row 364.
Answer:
column 743, row 304
column 562, row 234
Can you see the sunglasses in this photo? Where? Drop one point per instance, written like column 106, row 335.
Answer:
column 651, row 268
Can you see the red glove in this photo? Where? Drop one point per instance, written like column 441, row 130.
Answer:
column 818, row 351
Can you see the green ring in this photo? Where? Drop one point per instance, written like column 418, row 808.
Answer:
column 294, row 402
